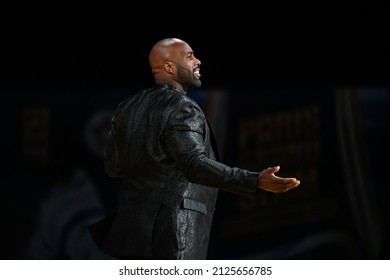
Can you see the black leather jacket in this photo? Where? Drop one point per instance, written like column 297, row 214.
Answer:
column 164, row 150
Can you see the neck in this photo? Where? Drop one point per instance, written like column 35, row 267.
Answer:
column 171, row 83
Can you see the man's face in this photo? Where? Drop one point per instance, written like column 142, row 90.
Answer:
column 188, row 69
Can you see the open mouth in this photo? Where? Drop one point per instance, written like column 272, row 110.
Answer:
column 197, row 74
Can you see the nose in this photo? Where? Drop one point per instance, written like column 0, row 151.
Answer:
column 197, row 62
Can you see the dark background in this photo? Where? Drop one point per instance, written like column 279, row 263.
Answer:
column 241, row 45
column 61, row 65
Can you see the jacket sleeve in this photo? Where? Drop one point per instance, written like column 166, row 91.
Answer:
column 186, row 143
column 111, row 158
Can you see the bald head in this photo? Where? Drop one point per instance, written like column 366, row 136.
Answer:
column 164, row 50
column 172, row 61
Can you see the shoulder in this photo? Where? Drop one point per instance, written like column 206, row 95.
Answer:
column 173, row 102
column 179, row 101
column 186, row 115
column 182, row 106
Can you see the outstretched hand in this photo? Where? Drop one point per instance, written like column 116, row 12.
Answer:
column 271, row 183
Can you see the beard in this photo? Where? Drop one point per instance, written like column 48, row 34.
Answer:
column 186, row 78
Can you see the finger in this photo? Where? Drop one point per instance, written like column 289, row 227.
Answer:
column 283, row 180
column 276, row 168
column 294, row 183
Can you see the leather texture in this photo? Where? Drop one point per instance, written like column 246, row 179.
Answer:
column 163, row 148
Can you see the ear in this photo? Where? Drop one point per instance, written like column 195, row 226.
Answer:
column 169, row 67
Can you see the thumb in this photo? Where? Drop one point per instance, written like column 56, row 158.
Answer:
column 276, row 168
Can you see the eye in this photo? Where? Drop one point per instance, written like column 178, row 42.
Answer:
column 190, row 56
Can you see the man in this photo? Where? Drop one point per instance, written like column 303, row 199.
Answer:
column 162, row 147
